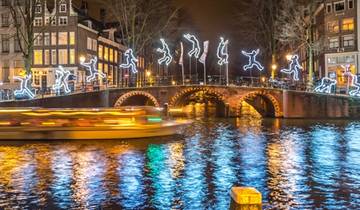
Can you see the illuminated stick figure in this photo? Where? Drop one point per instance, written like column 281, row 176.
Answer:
column 167, row 58
column 326, row 85
column 354, row 82
column 252, row 60
column 131, row 61
column 195, row 51
column 294, row 68
column 62, row 80
column 222, row 53
column 24, row 87
column 91, row 67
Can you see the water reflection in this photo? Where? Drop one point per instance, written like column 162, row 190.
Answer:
column 295, row 164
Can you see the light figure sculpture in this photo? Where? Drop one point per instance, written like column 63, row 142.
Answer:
column 24, row 87
column 167, row 58
column 62, row 80
column 222, row 53
column 252, row 60
column 294, row 67
column 354, row 82
column 326, row 85
column 195, row 51
column 91, row 67
column 131, row 61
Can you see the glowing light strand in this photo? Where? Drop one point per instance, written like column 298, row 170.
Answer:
column 252, row 60
column 354, row 82
column 167, row 57
column 195, row 51
column 62, row 80
column 131, row 61
column 24, row 87
column 92, row 69
column 222, row 53
column 294, row 68
column 326, row 85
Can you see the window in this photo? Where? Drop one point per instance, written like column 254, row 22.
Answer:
column 348, row 24
column 63, row 56
column 63, row 38
column 38, row 39
column 72, row 38
column 63, row 21
column 47, row 57
column 111, row 55
column 116, row 56
column 38, row 57
column 50, row 20
column 328, row 8
column 351, row 4
column 36, row 78
column 54, row 38
column 333, row 27
column 101, row 51
column 6, row 72
column 4, row 3
column 62, row 8
column 72, row 56
column 100, row 67
column 53, row 57
column 106, row 53
column 339, row 6
column 17, row 47
column 334, row 42
column 348, row 40
column 38, row 9
column 89, row 43
column 38, row 22
column 46, row 39
column 5, row 20
column 5, row 43
column 94, row 45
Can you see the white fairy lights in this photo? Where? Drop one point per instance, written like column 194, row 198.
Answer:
column 222, row 53
column 252, row 60
column 167, row 57
column 131, row 61
column 24, row 87
column 326, row 85
column 294, row 68
column 62, row 80
column 195, row 51
column 91, row 67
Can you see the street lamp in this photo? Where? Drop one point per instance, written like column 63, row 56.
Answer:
column 288, row 57
column 273, row 68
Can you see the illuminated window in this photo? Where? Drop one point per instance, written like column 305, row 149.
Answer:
column 101, row 51
column 89, row 43
column 53, row 57
column 348, row 24
column 106, row 68
column 38, row 57
column 94, row 44
column 72, row 56
column 333, row 27
column 111, row 55
column 63, row 56
column 47, row 57
column 106, row 53
column 334, row 42
column 72, row 38
column 116, row 56
column 63, row 38
column 54, row 38
column 100, row 67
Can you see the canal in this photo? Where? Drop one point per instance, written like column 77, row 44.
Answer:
column 297, row 164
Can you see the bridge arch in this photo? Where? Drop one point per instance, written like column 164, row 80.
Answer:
column 137, row 98
column 207, row 96
column 266, row 104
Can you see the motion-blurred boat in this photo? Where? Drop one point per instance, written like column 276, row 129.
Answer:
column 81, row 124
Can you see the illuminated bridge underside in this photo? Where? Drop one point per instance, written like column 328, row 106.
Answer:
column 228, row 100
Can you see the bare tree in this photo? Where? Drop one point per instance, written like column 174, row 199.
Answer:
column 256, row 21
column 141, row 22
column 295, row 27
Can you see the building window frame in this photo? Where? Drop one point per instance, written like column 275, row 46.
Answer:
column 63, row 21
column 38, row 57
column 339, row 3
column 347, row 26
column 62, row 8
column 350, row 4
column 348, row 40
column 329, row 8
column 38, row 21
column 334, row 42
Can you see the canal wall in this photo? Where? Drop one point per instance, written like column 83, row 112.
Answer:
column 309, row 105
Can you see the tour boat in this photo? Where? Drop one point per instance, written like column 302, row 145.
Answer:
column 90, row 124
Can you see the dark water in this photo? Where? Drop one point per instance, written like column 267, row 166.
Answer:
column 295, row 164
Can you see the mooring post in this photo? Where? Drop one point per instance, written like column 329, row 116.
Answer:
column 245, row 198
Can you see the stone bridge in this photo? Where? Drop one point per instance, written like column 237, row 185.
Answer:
column 267, row 101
